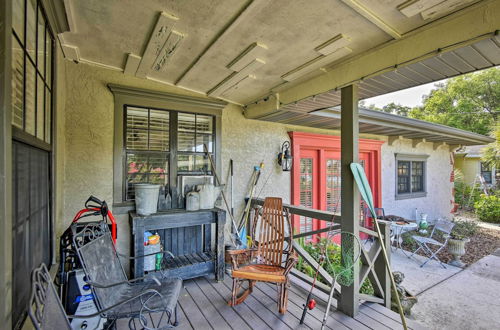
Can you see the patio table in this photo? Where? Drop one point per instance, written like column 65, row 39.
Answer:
column 398, row 229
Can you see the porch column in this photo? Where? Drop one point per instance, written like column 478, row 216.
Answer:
column 350, row 198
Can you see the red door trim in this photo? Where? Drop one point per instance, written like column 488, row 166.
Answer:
column 321, row 143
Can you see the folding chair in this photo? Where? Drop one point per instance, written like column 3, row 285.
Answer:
column 443, row 226
column 369, row 222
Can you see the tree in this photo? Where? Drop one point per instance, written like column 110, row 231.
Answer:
column 470, row 102
column 396, row 109
column 491, row 154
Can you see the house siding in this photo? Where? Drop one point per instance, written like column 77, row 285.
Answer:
column 436, row 203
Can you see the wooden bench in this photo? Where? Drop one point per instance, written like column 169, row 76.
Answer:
column 188, row 235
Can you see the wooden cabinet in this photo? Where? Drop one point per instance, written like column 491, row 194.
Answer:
column 189, row 236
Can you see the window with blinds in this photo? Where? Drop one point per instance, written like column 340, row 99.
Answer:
column 150, row 136
column 306, row 193
column 410, row 176
column 32, row 65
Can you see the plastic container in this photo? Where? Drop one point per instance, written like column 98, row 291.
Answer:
column 150, row 261
column 146, row 198
column 192, row 201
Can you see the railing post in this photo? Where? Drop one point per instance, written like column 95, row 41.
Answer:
column 349, row 300
column 379, row 265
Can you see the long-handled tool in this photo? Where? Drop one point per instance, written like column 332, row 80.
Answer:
column 364, row 188
column 231, row 182
column 236, row 239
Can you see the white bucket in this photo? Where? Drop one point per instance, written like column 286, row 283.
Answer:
column 146, row 198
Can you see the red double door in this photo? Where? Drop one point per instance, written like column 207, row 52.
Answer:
column 316, row 181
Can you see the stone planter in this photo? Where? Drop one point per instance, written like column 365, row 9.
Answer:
column 456, row 247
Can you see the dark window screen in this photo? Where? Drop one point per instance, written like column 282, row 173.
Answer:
column 31, row 228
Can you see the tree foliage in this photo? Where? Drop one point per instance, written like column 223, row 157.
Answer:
column 491, row 154
column 470, row 102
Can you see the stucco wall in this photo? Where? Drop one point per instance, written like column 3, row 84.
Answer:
column 88, row 138
column 439, row 188
column 87, row 141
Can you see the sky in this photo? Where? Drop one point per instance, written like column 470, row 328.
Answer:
column 410, row 97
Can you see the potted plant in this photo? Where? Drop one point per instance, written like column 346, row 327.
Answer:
column 459, row 236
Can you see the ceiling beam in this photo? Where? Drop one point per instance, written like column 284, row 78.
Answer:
column 479, row 21
column 373, row 18
column 244, row 13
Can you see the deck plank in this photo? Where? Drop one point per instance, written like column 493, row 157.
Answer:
column 290, row 318
column 247, row 313
column 230, row 315
column 334, row 313
column 203, row 305
column 267, row 316
column 382, row 318
column 209, row 311
column 395, row 316
column 193, row 314
column 317, row 314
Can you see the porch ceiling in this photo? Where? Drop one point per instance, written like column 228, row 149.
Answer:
column 244, row 50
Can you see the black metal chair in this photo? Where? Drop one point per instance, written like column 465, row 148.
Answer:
column 46, row 310
column 114, row 293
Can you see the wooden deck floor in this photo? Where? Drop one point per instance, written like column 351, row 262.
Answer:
column 203, row 305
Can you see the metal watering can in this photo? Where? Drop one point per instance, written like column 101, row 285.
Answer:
column 208, row 195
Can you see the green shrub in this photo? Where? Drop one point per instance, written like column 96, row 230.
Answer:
column 463, row 194
column 332, row 267
column 488, row 208
column 464, row 229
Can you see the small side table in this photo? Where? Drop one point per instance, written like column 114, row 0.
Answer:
column 397, row 230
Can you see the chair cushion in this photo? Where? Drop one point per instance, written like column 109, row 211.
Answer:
column 426, row 240
column 259, row 272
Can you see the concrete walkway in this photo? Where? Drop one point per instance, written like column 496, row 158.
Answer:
column 469, row 299
column 418, row 279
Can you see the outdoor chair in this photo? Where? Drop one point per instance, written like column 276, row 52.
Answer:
column 145, row 296
column 424, row 243
column 267, row 259
column 367, row 216
column 45, row 309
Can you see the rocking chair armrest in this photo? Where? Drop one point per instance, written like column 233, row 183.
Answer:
column 291, row 261
column 237, row 255
column 99, row 312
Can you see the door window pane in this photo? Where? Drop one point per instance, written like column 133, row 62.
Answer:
column 306, row 193
column 48, row 58
column 41, row 43
column 18, row 18
column 31, row 29
column 30, row 98
column 48, row 119
column 40, row 105
column 17, row 84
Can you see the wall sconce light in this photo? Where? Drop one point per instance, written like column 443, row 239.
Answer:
column 285, row 158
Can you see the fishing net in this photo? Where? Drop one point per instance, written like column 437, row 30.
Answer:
column 342, row 251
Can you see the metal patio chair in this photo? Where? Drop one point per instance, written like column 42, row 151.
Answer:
column 145, row 296
column 445, row 227
column 46, row 310
column 271, row 256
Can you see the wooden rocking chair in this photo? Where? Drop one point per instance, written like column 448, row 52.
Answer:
column 267, row 260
